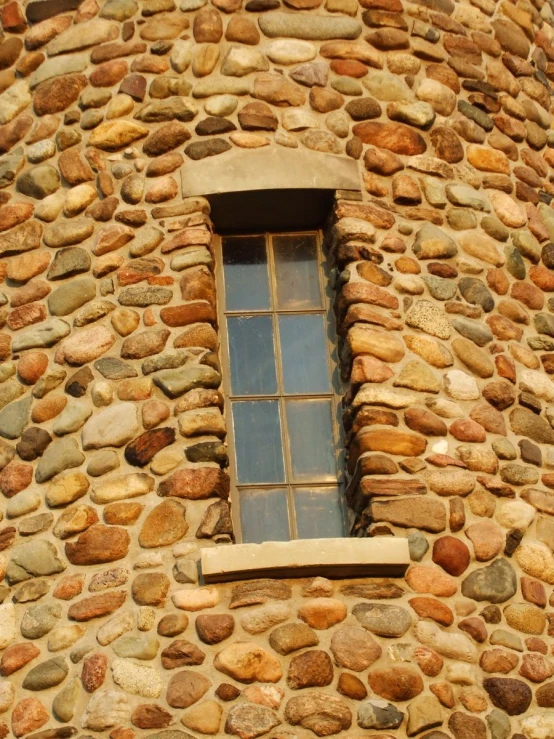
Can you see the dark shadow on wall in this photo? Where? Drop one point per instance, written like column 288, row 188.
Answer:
column 254, row 211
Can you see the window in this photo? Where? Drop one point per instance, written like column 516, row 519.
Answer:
column 281, row 403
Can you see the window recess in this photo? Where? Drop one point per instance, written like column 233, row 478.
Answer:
column 281, row 387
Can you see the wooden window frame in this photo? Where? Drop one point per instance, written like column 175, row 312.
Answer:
column 335, row 394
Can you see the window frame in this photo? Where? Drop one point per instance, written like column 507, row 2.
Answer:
column 333, row 365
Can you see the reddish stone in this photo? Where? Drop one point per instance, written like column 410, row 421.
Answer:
column 214, row 628
column 446, row 144
column 431, row 608
column 17, row 656
column 74, row 168
column 536, row 667
column 349, row 68
column 26, row 315
column 14, row 131
column 528, row 294
column 451, row 554
column 424, row 421
column 57, row 94
column 534, row 644
column 464, row 429
column 142, row 449
column 97, row 545
column 15, row 477
column 96, row 606
column 94, row 671
column 533, row 591
column 151, row 716
column 395, row 137
column 181, row 653
column 310, row 669
column 109, row 73
column 429, row 661
column 475, row 627
column 32, row 366
column 396, row 683
column 498, row 660
column 12, row 18
column 197, row 311
column 28, row 715
column 69, row 587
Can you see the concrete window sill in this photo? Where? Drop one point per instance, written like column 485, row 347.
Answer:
column 384, row 556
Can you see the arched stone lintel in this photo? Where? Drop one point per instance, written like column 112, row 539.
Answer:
column 269, row 168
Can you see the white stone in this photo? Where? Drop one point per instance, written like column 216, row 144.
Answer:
column 262, row 619
column 25, row 502
column 95, row 31
column 537, row 383
column 441, row 97
column 461, row 386
column 461, row 673
column 114, row 426
column 221, row 105
column 181, row 55
column 195, row 600
column 101, row 393
column 538, row 726
column 122, row 487
column 454, row 646
column 370, row 394
column 114, row 628
column 15, row 99
column 297, row 119
column 41, row 151
column 105, row 709
column 387, row 87
column 290, row 51
column 515, row 514
column 7, row 624
column 7, row 695
column 143, row 680
column 240, row 61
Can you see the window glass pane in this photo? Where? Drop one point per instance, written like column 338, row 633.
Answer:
column 258, row 446
column 297, row 273
column 304, row 353
column 319, row 513
column 263, row 515
column 252, row 355
column 311, row 440
column 245, row 272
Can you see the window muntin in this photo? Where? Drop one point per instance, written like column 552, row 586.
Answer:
column 281, row 404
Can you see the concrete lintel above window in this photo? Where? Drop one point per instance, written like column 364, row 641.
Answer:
column 384, row 556
column 269, row 168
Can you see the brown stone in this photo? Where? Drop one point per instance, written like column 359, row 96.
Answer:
column 536, row 668
column 96, row 606
column 165, row 138
column 354, row 648
column 69, row 587
column 214, row 628
column 312, row 668
column 451, row 554
column 464, row 726
column 164, row 525
column 151, row 716
column 16, row 657
column 122, row 514
column 196, row 484
column 395, row 137
column 425, row 422
column 57, row 94
column 431, row 608
column 97, row 545
column 512, row 696
column 74, row 168
column 545, row 695
column 141, row 450
column 28, row 715
column 475, row 628
column 15, row 477
column 181, row 653
column 195, row 311
column 94, row 671
column 150, row 588
column 351, row 686
column 396, row 683
column 185, row 688
column 322, row 613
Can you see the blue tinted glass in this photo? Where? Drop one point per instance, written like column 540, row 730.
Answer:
column 296, row 272
column 245, row 273
column 312, row 449
column 319, row 513
column 252, row 355
column 304, row 352
column 264, row 515
column 258, row 445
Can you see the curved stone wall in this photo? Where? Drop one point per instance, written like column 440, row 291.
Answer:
column 113, row 459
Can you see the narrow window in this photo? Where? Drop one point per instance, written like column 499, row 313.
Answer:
column 281, row 403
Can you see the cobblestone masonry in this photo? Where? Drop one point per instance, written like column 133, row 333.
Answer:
column 113, row 459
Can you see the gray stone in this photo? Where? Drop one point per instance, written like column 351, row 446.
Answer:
column 460, row 219
column 114, row 426
column 102, row 462
column 113, row 368
column 45, row 335
column 14, row 417
column 39, row 182
column 495, row 583
column 476, row 292
column 70, row 296
column 527, row 245
column 514, row 262
column 378, row 714
column 63, row 705
column 46, row 675
column 418, row 545
column 475, row 331
column 39, row 620
column 10, row 166
column 145, row 296
column 420, row 115
column 177, row 382
column 440, row 288
column 499, row 724
column 309, row 27
column 136, row 647
column 72, row 417
column 36, row 558
column 61, row 455
column 68, row 262
column 165, row 360
column 68, row 233
column 383, row 619
column 433, row 243
column 467, row 197
column 494, row 228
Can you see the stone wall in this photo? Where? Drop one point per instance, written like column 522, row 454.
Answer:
column 113, row 458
